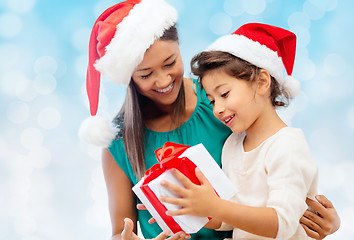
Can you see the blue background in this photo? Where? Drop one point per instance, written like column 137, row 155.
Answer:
column 52, row 185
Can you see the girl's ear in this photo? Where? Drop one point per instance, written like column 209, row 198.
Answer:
column 263, row 82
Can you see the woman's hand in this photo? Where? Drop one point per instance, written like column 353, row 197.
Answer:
column 325, row 222
column 142, row 207
column 196, row 200
column 128, row 233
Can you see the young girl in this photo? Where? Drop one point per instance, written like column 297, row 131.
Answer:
column 269, row 162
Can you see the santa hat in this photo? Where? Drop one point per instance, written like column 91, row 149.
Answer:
column 265, row 46
column 119, row 39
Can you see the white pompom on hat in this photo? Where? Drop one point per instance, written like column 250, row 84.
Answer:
column 268, row 47
column 119, row 39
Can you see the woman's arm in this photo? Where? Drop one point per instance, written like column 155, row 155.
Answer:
column 325, row 222
column 121, row 199
column 201, row 200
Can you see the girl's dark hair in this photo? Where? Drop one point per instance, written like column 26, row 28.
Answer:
column 130, row 118
column 236, row 67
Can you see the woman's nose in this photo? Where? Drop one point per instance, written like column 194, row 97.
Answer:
column 163, row 80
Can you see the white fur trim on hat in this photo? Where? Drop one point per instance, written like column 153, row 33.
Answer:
column 98, row 131
column 145, row 23
column 251, row 51
column 291, row 86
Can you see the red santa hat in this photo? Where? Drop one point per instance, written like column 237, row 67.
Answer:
column 268, row 47
column 119, row 39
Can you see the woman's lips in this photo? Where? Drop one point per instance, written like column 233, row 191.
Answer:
column 166, row 90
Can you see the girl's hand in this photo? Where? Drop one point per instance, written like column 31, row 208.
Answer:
column 325, row 222
column 194, row 199
column 128, row 233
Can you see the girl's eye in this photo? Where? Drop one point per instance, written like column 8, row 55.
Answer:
column 146, row 76
column 212, row 102
column 171, row 64
column 225, row 94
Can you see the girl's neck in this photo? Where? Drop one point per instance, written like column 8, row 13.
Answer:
column 264, row 127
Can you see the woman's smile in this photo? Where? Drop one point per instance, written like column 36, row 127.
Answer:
column 166, row 90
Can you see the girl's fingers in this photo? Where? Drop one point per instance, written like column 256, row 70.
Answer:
column 182, row 211
column 174, row 188
column 182, row 178
column 175, row 201
column 202, row 179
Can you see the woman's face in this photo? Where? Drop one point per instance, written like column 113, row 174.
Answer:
column 160, row 74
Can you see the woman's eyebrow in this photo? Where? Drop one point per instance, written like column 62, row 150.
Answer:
column 144, row 69
column 169, row 57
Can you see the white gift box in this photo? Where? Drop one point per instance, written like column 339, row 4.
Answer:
column 189, row 224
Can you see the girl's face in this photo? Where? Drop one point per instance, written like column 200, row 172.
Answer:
column 160, row 74
column 234, row 100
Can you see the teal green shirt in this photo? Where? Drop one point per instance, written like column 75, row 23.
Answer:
column 201, row 127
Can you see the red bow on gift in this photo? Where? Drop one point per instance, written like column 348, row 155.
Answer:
column 168, row 159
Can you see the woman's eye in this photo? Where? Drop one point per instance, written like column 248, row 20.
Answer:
column 146, row 76
column 225, row 94
column 171, row 64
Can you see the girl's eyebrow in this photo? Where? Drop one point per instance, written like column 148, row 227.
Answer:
column 216, row 88
column 144, row 69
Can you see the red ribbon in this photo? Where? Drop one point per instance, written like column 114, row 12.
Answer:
column 168, row 159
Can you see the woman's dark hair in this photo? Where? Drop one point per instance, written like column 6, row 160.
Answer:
column 236, row 67
column 130, row 118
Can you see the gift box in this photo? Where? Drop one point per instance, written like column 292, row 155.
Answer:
column 185, row 159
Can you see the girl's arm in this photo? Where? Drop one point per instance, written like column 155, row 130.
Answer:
column 202, row 201
column 122, row 204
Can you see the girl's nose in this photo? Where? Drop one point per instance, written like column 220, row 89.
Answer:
column 218, row 109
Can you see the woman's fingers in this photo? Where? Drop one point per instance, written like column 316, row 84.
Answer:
column 128, row 231
column 141, row 206
column 310, row 232
column 315, row 219
column 180, row 236
column 309, row 223
column 163, row 235
column 318, row 207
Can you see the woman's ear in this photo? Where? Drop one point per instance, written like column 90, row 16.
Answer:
column 263, row 82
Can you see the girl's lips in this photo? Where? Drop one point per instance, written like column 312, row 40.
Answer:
column 166, row 90
column 228, row 120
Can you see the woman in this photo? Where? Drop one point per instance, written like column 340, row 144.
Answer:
column 135, row 43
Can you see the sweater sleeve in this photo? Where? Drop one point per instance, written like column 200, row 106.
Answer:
column 292, row 176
